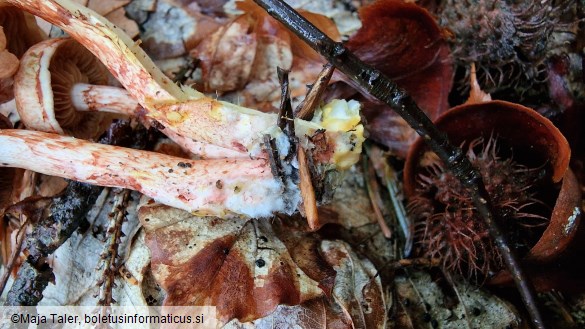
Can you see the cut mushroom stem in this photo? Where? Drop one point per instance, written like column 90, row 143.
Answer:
column 181, row 109
column 98, row 98
column 206, row 187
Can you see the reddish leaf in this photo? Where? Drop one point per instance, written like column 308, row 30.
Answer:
column 242, row 267
column 405, row 43
column 357, row 300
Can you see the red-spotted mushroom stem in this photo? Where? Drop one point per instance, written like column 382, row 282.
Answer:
column 206, row 187
column 60, row 88
column 180, row 109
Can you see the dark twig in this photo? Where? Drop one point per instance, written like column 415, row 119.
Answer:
column 381, row 87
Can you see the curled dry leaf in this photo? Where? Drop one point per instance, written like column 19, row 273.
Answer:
column 272, row 46
column 226, row 57
column 18, row 31
column 173, row 28
column 358, row 288
column 244, row 268
column 404, row 42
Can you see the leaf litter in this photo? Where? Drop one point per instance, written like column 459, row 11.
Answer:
column 261, row 273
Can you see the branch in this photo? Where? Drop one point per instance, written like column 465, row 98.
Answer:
column 381, row 87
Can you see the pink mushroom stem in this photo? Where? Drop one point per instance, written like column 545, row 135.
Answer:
column 99, row 98
column 207, row 187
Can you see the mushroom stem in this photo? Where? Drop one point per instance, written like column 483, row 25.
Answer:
column 182, row 109
column 207, row 187
column 98, row 98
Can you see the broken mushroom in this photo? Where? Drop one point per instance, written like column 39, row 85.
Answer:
column 206, row 187
column 178, row 108
column 61, row 88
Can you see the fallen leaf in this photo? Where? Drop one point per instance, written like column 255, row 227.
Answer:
column 119, row 18
column 173, row 30
column 240, row 266
column 275, row 47
column 426, row 305
column 358, row 288
column 227, row 56
column 357, row 300
column 404, row 42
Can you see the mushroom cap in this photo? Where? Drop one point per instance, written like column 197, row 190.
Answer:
column 43, row 85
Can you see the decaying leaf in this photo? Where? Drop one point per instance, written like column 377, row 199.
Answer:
column 173, row 28
column 240, row 266
column 248, row 268
column 358, row 288
column 426, row 305
column 226, row 57
column 357, row 300
column 268, row 45
column 404, row 42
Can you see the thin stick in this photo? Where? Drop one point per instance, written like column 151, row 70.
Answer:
column 381, row 87
column 306, row 109
column 374, row 194
column 14, row 256
column 110, row 254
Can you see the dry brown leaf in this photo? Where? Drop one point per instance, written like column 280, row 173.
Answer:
column 276, row 47
column 8, row 60
column 119, row 18
column 358, row 288
column 104, row 7
column 357, row 300
column 173, row 28
column 227, row 56
column 404, row 42
column 242, row 267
